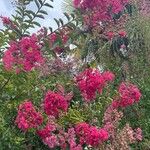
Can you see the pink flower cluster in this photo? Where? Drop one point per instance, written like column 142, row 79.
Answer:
column 129, row 94
column 111, row 120
column 91, row 135
column 54, row 103
column 119, row 138
column 53, row 137
column 91, row 81
column 46, row 131
column 138, row 134
column 133, row 135
column 63, row 37
column 71, row 136
column 99, row 10
column 23, row 55
column 28, row 117
column 46, row 134
column 7, row 22
column 110, row 35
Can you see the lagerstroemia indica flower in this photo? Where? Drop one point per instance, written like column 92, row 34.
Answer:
column 23, row 55
column 28, row 117
column 92, row 81
column 128, row 95
column 54, row 103
column 100, row 10
column 90, row 135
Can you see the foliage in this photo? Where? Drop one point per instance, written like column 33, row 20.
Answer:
column 70, row 91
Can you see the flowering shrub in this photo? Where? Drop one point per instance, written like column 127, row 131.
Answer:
column 62, row 37
column 119, row 139
column 28, row 117
column 91, row 81
column 23, row 55
column 54, row 103
column 74, row 110
column 60, row 139
column 97, row 11
column 91, row 135
column 129, row 94
column 80, row 133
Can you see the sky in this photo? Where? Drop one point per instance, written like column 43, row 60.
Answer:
column 6, row 9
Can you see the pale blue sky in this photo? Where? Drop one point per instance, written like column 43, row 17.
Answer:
column 6, row 9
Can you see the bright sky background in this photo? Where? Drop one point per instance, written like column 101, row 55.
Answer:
column 6, row 9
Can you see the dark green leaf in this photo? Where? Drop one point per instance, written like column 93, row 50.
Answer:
column 40, row 16
column 36, row 23
column 77, row 22
column 17, row 18
column 27, row 32
column 18, row 12
column 28, row 21
column 67, row 16
column 51, row 29
column 20, row 9
column 37, row 3
column 58, row 24
column 24, row 25
column 30, row 12
column 40, row 1
column 71, row 25
column 61, row 21
column 31, row 26
column 73, row 16
column 129, row 8
column 43, row 12
column 48, row 5
column 28, row 15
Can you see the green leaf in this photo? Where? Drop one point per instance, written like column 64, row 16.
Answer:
column 18, row 12
column 24, row 25
column 51, row 29
column 48, row 5
column 30, row 12
column 28, row 15
column 40, row 16
column 43, row 12
column 67, row 16
column 31, row 26
column 77, row 22
column 73, row 16
column 71, row 25
column 61, row 21
column 27, row 32
column 20, row 9
column 36, row 23
column 28, row 21
column 17, row 18
column 129, row 8
column 37, row 4
column 58, row 24
column 40, row 1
